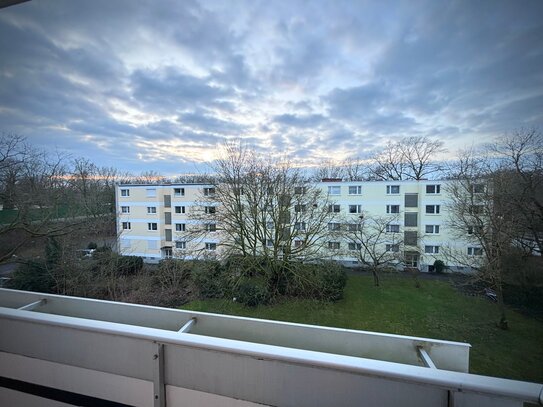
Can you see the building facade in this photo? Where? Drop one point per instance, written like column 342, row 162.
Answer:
column 153, row 220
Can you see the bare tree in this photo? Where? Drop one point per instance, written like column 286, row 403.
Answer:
column 355, row 169
column 481, row 213
column 520, row 165
column 261, row 207
column 409, row 158
column 374, row 240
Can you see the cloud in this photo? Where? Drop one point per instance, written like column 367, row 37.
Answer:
column 151, row 85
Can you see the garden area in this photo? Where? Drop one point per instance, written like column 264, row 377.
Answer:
column 434, row 310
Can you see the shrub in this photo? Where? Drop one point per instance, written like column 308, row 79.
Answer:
column 32, row 276
column 323, row 281
column 172, row 273
column 92, row 246
column 439, row 266
column 252, row 292
column 208, row 278
column 129, row 265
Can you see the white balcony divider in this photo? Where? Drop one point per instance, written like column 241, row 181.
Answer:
column 139, row 355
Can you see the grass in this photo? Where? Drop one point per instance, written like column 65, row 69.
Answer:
column 435, row 310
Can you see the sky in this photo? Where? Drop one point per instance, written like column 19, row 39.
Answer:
column 162, row 85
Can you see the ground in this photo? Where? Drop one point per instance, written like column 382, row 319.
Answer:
column 434, row 310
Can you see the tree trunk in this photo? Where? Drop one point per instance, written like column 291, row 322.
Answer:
column 375, row 273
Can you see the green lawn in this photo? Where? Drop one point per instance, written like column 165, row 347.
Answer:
column 435, row 310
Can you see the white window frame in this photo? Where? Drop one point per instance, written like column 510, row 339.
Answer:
column 392, row 247
column 210, row 210
column 355, row 208
column 211, row 246
column 436, row 188
column 391, row 188
column 209, row 191
column 391, row 207
column 126, row 226
column 152, row 226
column 354, row 227
column 431, row 249
column 392, row 228
column 355, row 246
column 125, row 209
column 181, row 243
column 180, row 193
column 125, row 192
column 355, row 189
column 151, row 210
column 334, row 245
column 211, row 227
column 180, row 227
column 436, row 209
column 181, row 209
column 434, row 229
column 475, row 251
column 334, row 226
column 300, row 226
column 332, row 208
column 334, row 190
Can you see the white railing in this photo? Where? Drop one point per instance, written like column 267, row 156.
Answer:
column 141, row 355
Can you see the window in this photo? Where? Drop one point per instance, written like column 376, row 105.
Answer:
column 152, row 226
column 354, row 227
column 392, row 247
column 475, row 251
column 432, row 229
column 179, row 209
column 433, row 189
column 333, row 245
column 410, row 219
column 180, row 227
column 299, row 226
column 410, row 237
column 298, row 243
column 300, row 208
column 210, row 246
column 151, row 192
column 355, row 208
column 334, row 226
column 126, row 226
column 168, row 253
column 335, row 190
column 432, row 209
column 125, row 192
column 210, row 209
column 393, row 228
column 209, row 191
column 125, row 209
column 269, row 225
column 355, row 246
column 269, row 242
column 334, row 208
column 393, row 189
column 300, row 190
column 393, row 208
column 151, row 209
column 181, row 245
column 431, row 249
column 355, row 190
column 152, row 244
column 179, row 192
column 211, row 227
column 476, row 210
column 411, row 200
column 478, row 188
column 475, row 229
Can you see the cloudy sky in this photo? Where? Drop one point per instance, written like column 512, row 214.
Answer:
column 160, row 85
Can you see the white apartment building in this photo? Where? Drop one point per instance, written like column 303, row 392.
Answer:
column 152, row 218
